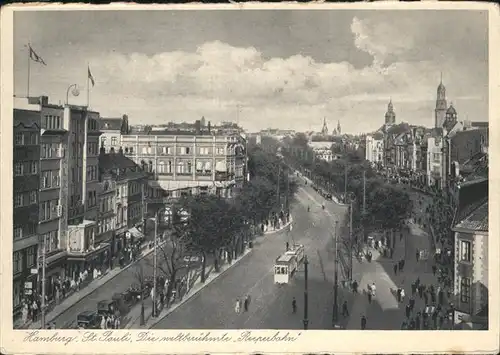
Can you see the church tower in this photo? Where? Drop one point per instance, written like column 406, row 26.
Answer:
column 324, row 130
column 441, row 105
column 339, row 129
column 390, row 115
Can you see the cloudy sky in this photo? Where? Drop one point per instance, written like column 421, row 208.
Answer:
column 285, row 69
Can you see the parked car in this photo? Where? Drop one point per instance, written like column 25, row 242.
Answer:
column 106, row 307
column 88, row 320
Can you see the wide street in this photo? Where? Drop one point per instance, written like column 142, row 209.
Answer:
column 271, row 305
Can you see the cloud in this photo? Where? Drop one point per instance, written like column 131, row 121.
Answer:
column 290, row 91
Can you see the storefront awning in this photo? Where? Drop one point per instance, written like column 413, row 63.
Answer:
column 101, row 248
column 178, row 185
column 137, row 234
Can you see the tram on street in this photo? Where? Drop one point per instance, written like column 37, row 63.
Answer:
column 298, row 251
column 284, row 268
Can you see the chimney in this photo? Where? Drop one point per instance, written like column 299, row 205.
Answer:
column 197, row 127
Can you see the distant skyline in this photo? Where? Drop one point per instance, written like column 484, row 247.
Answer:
column 286, row 69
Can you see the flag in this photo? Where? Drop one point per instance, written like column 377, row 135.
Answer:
column 35, row 57
column 91, row 78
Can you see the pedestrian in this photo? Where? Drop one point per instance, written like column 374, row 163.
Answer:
column 399, row 295
column 355, row 286
column 369, row 297
column 345, row 311
column 34, row 307
column 434, row 269
column 441, row 297
column 413, row 289
column 417, row 282
column 417, row 321
column 237, row 306
column 417, row 255
column 103, row 322
column 433, row 297
column 363, row 323
column 287, row 246
column 421, row 291
column 402, row 294
column 395, row 269
column 246, row 304
column 441, row 321
column 402, row 264
column 412, row 303
column 408, row 311
column 117, row 322
column 392, row 251
column 294, row 305
column 399, row 265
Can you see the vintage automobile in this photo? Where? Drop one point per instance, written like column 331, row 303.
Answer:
column 106, row 307
column 88, row 320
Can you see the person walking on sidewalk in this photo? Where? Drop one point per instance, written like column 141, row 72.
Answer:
column 395, row 269
column 363, row 322
column 407, row 311
column 417, row 255
column 355, row 286
column 345, row 311
column 246, row 303
column 237, row 306
column 294, row 306
column 402, row 294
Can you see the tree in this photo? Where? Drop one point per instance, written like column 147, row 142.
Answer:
column 141, row 280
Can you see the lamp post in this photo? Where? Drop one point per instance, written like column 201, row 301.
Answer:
column 306, row 302
column 350, row 197
column 75, row 92
column 335, row 316
column 155, row 258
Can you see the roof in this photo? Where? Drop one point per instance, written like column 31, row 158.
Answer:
column 480, row 124
column 26, row 118
column 471, row 195
column 110, row 124
column 477, row 220
column 111, row 161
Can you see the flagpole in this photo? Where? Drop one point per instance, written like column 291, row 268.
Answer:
column 88, row 87
column 29, row 70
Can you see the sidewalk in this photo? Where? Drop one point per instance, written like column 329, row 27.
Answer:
column 69, row 301
column 385, row 312
column 134, row 315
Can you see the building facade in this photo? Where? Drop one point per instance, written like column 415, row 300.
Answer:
column 190, row 163
column 471, row 255
column 435, row 176
column 26, row 182
column 112, row 130
column 374, row 149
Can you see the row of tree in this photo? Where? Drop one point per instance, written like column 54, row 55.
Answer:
column 219, row 228
column 377, row 204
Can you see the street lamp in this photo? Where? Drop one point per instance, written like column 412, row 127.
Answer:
column 335, row 315
column 306, row 302
column 350, row 198
column 75, row 92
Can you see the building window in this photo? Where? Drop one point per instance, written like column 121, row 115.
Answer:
column 18, row 233
column 220, row 151
column 34, row 167
column 19, row 139
column 161, row 167
column 204, row 151
column 465, row 252
column 31, row 257
column 18, row 169
column 436, row 157
column 465, row 290
column 18, row 200
column 17, row 259
column 33, row 197
column 113, row 141
column 33, row 138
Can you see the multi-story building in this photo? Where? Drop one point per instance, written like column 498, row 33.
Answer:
column 189, row 163
column 471, row 254
column 435, row 176
column 26, row 181
column 111, row 132
column 123, row 182
column 83, row 185
column 374, row 148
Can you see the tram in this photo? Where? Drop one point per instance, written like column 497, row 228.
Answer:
column 284, row 268
column 287, row 264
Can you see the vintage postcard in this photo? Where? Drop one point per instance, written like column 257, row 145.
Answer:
column 257, row 178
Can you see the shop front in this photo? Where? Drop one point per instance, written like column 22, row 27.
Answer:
column 95, row 261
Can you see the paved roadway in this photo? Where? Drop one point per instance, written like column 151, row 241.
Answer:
column 118, row 284
column 270, row 306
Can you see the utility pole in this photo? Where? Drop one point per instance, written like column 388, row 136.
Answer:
column 345, row 184
column 155, row 264
column 286, row 192
column 44, row 255
column 364, row 192
column 336, row 278
column 306, row 302
column 350, row 240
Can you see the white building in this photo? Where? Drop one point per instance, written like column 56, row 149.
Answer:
column 374, row 151
column 435, row 176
